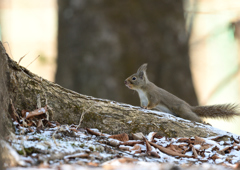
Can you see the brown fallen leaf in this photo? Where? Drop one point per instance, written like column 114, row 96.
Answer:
column 137, row 136
column 93, row 164
column 149, row 149
column 198, row 140
column 154, row 154
column 44, row 165
column 202, row 153
column 131, row 143
column 148, row 146
column 221, row 138
column 121, row 137
column 214, row 157
column 183, row 146
column 235, row 140
column 127, row 160
column 125, row 148
column 205, row 146
column 74, row 129
column 110, row 165
column 114, row 142
column 36, row 112
column 168, row 151
column 94, row 133
column 195, row 155
column 50, row 124
column 186, row 150
column 187, row 140
column 152, row 136
column 30, row 124
column 227, row 149
column 136, row 148
column 237, row 166
column 215, row 148
column 77, row 155
column 175, row 148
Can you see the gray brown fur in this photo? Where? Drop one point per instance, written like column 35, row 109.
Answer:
column 152, row 96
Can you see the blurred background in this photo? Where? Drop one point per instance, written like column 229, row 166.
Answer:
column 92, row 46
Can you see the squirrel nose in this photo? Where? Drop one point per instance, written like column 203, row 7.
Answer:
column 125, row 82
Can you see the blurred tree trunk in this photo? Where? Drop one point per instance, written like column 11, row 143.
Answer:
column 100, row 43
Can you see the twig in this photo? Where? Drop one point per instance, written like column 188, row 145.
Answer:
column 14, row 115
column 82, row 116
column 49, row 108
column 21, row 58
column 33, row 61
column 54, row 139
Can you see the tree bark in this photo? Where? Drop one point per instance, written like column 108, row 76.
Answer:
column 66, row 107
column 101, row 43
column 5, row 120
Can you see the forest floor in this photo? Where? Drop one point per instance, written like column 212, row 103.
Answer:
column 42, row 144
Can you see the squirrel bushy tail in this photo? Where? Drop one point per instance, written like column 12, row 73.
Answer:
column 225, row 111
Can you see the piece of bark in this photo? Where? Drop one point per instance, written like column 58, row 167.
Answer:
column 66, row 107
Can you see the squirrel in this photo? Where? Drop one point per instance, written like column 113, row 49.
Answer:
column 154, row 97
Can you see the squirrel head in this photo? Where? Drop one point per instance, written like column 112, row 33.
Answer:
column 139, row 79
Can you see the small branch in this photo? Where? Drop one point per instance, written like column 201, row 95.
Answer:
column 82, row 116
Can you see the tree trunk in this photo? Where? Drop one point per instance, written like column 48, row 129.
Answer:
column 101, row 43
column 66, row 107
column 5, row 120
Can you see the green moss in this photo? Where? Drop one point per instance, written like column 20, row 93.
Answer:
column 135, row 129
column 73, row 145
column 82, row 145
column 29, row 150
column 99, row 148
column 20, row 152
column 91, row 148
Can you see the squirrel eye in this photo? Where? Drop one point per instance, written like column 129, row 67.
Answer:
column 134, row 78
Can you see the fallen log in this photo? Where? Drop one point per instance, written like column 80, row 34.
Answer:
column 26, row 90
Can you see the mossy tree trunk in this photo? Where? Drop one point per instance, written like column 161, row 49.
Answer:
column 5, row 120
column 66, row 106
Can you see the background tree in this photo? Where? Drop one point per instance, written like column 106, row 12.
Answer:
column 100, row 43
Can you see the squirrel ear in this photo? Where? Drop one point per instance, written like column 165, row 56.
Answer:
column 142, row 69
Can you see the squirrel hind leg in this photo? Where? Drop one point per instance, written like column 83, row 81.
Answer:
column 186, row 113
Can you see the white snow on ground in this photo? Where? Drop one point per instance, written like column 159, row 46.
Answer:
column 62, row 145
column 52, row 146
